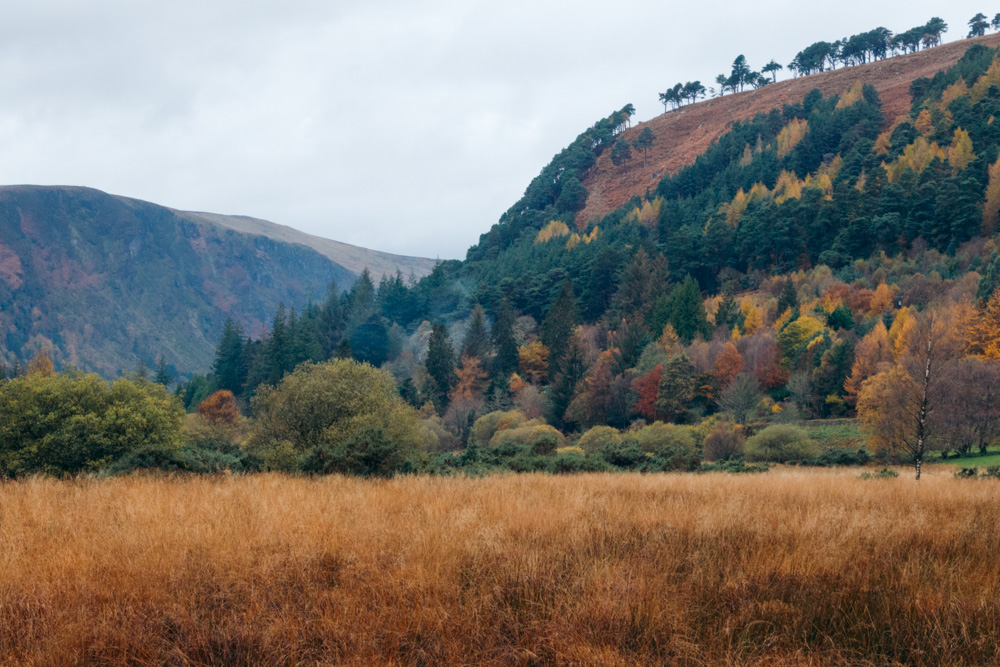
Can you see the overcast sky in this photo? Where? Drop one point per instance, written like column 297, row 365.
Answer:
column 406, row 126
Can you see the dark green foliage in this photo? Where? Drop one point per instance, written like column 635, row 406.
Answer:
column 621, row 153
column 728, row 313
column 477, row 340
column 503, row 341
column 367, row 453
column 369, row 341
column 788, row 298
column 676, row 389
column 229, row 371
column 440, row 365
column 557, row 329
column 687, row 312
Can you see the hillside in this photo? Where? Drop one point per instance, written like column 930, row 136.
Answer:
column 106, row 281
column 353, row 258
column 684, row 134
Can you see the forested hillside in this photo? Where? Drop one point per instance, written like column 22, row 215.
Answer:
column 107, row 283
column 806, row 264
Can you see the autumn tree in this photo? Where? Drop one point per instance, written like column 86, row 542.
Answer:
column 533, row 361
column 41, row 364
column 220, row 409
column 728, row 365
column 740, row 398
column 466, row 398
column 647, row 389
column 870, row 353
column 984, row 332
column 900, row 409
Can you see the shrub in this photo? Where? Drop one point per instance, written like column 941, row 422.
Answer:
column 624, row 454
column 187, row 459
column 531, row 434
column 967, row 473
column 490, row 424
column 735, row 467
column 67, row 423
column 320, row 413
column 725, row 442
column 884, row 473
column 838, row 456
column 368, row 452
column 779, row 443
column 594, row 440
column 665, row 438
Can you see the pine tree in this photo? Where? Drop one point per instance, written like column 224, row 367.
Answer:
column 344, row 350
column 229, row 371
column 572, row 368
column 557, row 328
column 687, row 312
column 361, row 300
column 330, row 328
column 440, row 365
column 163, row 375
column 676, row 388
column 477, row 340
column 278, row 347
column 504, row 343
column 727, row 314
column 644, row 142
column 788, row 298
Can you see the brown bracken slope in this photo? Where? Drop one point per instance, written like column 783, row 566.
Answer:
column 684, row 134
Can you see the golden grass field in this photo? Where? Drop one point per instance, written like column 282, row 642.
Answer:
column 790, row 567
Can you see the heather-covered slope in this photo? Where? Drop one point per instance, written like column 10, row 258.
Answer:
column 108, row 281
column 684, row 134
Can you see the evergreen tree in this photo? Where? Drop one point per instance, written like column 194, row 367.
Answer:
column 621, row 153
column 728, row 313
column 504, row 343
column 687, row 312
column 305, row 339
column 229, row 370
column 788, row 298
column 361, row 300
column 676, row 388
column 370, row 341
column 572, row 368
column 344, row 350
column 978, row 25
column 644, row 142
column 557, row 329
column 330, row 328
column 278, row 347
column 163, row 375
column 141, row 369
column 477, row 340
column 440, row 365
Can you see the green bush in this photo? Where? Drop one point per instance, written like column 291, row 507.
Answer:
column 67, row 423
column 843, row 457
column 532, row 433
column 665, row 438
column 595, row 439
column 780, row 443
column 337, row 416
column 624, row 454
column 187, row 459
column 486, row 427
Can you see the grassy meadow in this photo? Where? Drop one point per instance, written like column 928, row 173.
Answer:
column 788, row 567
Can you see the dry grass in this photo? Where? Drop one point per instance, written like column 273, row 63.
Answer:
column 787, row 568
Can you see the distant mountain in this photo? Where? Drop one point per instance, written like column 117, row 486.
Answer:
column 352, row 258
column 108, row 281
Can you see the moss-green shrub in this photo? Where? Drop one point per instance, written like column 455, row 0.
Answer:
column 780, row 443
column 660, row 438
column 597, row 438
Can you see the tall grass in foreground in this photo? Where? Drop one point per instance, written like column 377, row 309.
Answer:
column 793, row 567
